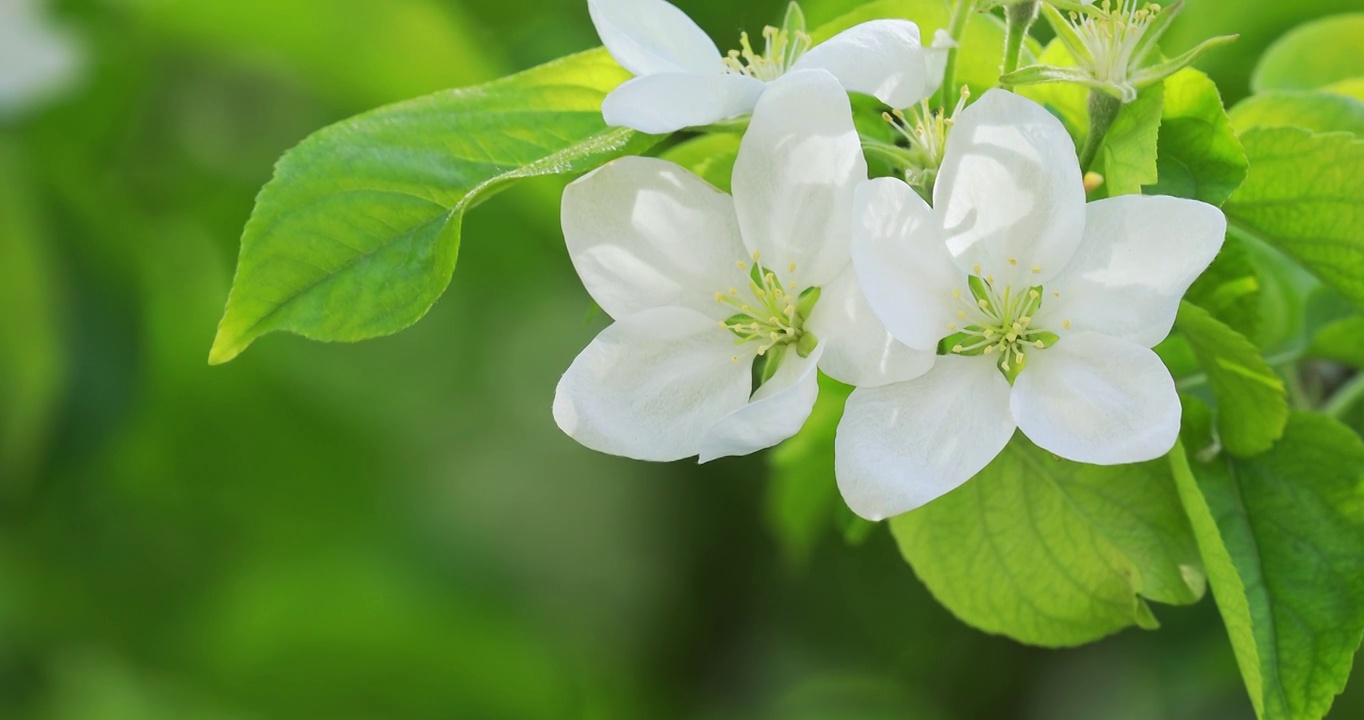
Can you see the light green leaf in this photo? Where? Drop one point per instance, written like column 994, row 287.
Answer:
column 33, row 359
column 1051, row 552
column 1252, row 406
column 357, row 51
column 1303, row 196
column 1341, row 341
column 1199, row 156
column 357, row 234
column 1354, row 87
column 802, row 499
column 1313, row 55
column 710, row 157
column 1315, row 111
column 1129, row 149
column 981, row 51
column 1282, row 535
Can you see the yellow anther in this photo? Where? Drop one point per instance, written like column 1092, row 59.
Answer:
column 734, row 291
column 961, row 314
column 790, row 311
column 1056, row 293
column 1036, row 269
column 956, row 293
column 1066, row 324
column 989, row 333
column 1013, row 261
column 742, row 265
column 719, row 297
column 1032, row 295
column 989, row 349
column 957, row 348
column 791, row 267
column 983, row 304
column 1005, row 364
column 1024, row 320
column 976, row 269
column 754, row 327
column 772, row 321
column 990, row 279
column 756, row 256
column 951, row 327
column 1011, row 337
column 1017, row 328
column 1018, row 357
column 1039, row 345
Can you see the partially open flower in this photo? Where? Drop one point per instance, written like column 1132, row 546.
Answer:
column 1111, row 44
column 1043, row 308
column 713, row 295
column 682, row 80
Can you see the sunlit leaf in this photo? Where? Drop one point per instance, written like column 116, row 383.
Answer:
column 1199, row 156
column 1310, row 110
column 1313, row 55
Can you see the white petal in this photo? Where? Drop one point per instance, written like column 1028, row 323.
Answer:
column 776, row 412
column 37, row 60
column 664, row 103
column 650, row 385
column 857, row 348
column 902, row 265
column 881, row 57
column 937, row 59
column 1009, row 192
column 1138, row 257
column 903, row 445
column 794, row 177
column 652, row 36
column 644, row 233
column 1097, row 399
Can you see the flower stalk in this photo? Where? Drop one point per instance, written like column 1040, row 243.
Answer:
column 1020, row 18
column 1103, row 110
column 961, row 15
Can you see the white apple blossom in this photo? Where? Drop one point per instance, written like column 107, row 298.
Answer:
column 1045, row 310
column 701, row 285
column 682, row 80
column 37, row 60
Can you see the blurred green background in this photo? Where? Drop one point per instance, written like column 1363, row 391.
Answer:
column 396, row 529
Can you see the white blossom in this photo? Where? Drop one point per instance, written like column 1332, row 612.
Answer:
column 37, row 60
column 701, row 285
column 682, row 79
column 1044, row 308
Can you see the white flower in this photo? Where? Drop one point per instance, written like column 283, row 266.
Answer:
column 701, row 285
column 37, row 62
column 682, row 80
column 1044, row 307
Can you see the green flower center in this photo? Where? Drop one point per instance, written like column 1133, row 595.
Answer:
column 771, row 315
column 999, row 323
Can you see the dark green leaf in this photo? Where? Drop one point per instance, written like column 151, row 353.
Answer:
column 1051, row 552
column 1252, row 406
column 357, row 234
column 1282, row 535
column 802, row 497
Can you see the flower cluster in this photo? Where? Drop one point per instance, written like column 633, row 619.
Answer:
column 1007, row 304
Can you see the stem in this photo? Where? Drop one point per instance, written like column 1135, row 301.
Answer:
column 1020, row 18
column 1345, row 398
column 961, row 14
column 1103, row 110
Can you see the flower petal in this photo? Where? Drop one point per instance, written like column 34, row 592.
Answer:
column 937, row 59
column 882, row 57
column 1009, row 192
column 665, row 103
column 794, row 178
column 1139, row 256
column 902, row 265
column 644, row 233
column 776, row 412
column 903, row 445
column 857, row 348
column 650, row 385
column 652, row 36
column 1097, row 399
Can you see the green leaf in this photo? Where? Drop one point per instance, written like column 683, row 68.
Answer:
column 33, row 359
column 1252, row 405
column 1303, row 196
column 1315, row 111
column 802, row 500
column 1051, row 552
column 1230, row 289
column 1313, row 55
column 1066, row 101
column 1341, row 341
column 1199, row 155
column 1282, row 535
column 709, row 157
column 1129, row 149
column 357, row 234
column 981, row 51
